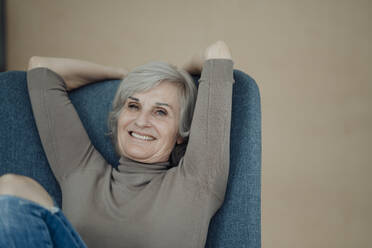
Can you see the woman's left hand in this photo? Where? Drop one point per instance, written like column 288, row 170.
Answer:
column 217, row 50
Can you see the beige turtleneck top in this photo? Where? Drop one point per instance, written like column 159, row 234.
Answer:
column 138, row 205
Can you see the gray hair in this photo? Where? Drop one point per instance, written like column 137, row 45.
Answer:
column 148, row 76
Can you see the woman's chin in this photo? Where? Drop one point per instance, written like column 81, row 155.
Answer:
column 145, row 158
column 139, row 157
column 140, row 154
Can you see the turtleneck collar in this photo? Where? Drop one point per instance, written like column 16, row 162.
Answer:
column 137, row 174
column 132, row 166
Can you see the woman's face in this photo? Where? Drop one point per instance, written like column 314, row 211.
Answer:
column 148, row 124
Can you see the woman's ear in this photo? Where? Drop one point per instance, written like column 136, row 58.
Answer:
column 179, row 140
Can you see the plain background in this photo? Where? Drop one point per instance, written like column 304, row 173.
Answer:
column 312, row 61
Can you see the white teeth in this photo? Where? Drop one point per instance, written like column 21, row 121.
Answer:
column 138, row 136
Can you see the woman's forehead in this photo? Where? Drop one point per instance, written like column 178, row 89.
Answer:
column 165, row 93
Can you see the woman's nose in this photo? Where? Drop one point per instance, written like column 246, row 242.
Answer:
column 142, row 120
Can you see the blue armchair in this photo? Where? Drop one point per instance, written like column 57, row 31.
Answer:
column 236, row 224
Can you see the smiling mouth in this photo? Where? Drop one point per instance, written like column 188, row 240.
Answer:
column 140, row 136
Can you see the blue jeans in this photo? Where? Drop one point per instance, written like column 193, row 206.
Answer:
column 24, row 223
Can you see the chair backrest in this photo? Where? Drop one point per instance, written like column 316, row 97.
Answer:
column 236, row 224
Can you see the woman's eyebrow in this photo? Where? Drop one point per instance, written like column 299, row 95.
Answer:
column 133, row 98
column 157, row 103
column 164, row 104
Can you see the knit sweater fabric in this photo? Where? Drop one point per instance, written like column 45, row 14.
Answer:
column 138, row 204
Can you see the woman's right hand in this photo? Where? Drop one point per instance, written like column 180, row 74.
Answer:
column 77, row 73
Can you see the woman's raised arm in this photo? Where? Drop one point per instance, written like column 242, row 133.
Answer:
column 77, row 73
column 63, row 136
column 206, row 160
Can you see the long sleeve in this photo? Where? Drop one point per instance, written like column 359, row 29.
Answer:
column 207, row 156
column 64, row 139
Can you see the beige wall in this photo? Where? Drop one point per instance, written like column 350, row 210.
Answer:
column 312, row 61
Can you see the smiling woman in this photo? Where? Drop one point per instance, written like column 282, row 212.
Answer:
column 148, row 124
column 145, row 202
column 163, row 96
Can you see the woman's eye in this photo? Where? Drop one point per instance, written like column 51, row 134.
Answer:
column 132, row 106
column 161, row 112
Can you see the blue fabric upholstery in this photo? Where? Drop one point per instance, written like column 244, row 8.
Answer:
column 236, row 224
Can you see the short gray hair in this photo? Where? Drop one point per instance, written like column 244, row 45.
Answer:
column 148, row 76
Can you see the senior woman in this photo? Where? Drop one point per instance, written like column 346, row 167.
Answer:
column 158, row 196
